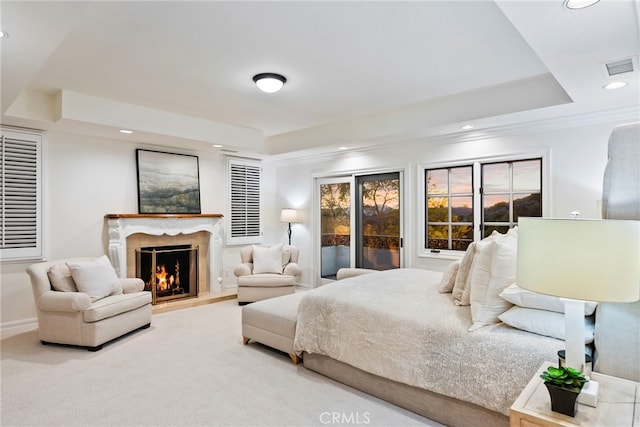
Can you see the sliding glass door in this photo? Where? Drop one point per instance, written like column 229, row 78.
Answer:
column 360, row 222
column 378, row 239
column 335, row 225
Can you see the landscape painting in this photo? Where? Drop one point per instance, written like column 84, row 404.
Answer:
column 167, row 183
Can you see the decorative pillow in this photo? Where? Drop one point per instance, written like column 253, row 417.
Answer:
column 488, row 282
column 449, row 277
column 543, row 322
column 96, row 278
column 462, row 278
column 286, row 255
column 267, row 259
column 524, row 298
column 60, row 278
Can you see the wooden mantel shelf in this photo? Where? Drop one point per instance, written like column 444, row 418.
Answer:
column 116, row 216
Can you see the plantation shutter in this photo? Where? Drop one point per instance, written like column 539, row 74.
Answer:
column 20, row 198
column 244, row 202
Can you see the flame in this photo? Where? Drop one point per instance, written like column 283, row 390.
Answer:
column 161, row 278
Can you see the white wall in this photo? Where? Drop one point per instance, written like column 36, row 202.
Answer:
column 577, row 161
column 86, row 178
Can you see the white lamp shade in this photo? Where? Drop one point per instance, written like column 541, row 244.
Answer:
column 289, row 215
column 594, row 260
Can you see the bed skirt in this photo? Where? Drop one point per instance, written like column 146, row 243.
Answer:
column 446, row 410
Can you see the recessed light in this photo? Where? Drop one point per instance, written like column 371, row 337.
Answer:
column 343, row 148
column 579, row 4
column 467, row 127
column 217, row 145
column 615, row 85
column 126, row 131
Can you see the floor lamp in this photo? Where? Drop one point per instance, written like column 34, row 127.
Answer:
column 289, row 215
column 578, row 260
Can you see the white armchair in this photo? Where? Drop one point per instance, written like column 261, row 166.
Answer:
column 106, row 308
column 266, row 271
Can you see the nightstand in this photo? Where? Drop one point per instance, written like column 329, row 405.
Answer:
column 617, row 405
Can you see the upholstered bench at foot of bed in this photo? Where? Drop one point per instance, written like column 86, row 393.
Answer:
column 345, row 273
column 272, row 322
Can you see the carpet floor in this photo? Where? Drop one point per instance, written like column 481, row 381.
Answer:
column 189, row 368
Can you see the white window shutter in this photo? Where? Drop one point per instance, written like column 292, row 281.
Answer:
column 20, row 197
column 243, row 224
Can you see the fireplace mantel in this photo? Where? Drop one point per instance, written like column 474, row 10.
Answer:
column 120, row 226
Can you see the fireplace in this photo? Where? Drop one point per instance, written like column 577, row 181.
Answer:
column 168, row 272
column 129, row 233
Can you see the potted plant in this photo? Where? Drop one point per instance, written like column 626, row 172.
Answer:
column 564, row 385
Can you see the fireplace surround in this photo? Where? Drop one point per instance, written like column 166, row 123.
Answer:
column 131, row 232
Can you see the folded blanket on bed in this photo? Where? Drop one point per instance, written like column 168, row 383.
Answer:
column 396, row 325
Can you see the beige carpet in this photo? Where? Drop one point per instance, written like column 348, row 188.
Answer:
column 189, row 369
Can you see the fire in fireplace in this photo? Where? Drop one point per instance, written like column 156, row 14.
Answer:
column 168, row 272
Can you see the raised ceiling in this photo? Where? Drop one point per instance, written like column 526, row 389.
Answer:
column 358, row 73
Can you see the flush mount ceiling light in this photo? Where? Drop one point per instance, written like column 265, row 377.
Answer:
column 269, row 82
column 3, row 34
column 615, row 85
column 579, row 4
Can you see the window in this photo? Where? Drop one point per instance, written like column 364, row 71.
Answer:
column 449, row 208
column 510, row 190
column 20, row 197
column 503, row 190
column 243, row 225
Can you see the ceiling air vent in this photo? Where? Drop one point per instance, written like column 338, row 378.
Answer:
column 619, row 67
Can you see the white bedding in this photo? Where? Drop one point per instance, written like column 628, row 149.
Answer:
column 396, row 325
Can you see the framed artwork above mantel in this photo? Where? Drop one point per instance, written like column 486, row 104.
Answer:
column 168, row 183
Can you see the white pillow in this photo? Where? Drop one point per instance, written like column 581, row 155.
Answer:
column 524, row 298
column 481, row 268
column 286, row 255
column 448, row 280
column 543, row 322
column 96, row 278
column 488, row 282
column 60, row 278
column 464, row 273
column 267, row 259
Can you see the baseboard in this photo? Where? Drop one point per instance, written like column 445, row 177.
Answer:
column 18, row 326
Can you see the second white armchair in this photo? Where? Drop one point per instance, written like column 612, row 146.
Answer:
column 266, row 271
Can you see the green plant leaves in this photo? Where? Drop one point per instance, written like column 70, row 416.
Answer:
column 569, row 378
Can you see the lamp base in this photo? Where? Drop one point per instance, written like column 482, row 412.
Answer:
column 589, row 393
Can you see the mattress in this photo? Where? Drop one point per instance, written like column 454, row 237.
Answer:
column 396, row 325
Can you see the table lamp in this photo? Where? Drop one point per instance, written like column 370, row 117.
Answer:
column 578, row 260
column 289, row 215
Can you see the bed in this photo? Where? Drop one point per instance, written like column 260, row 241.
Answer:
column 393, row 335
column 391, row 332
